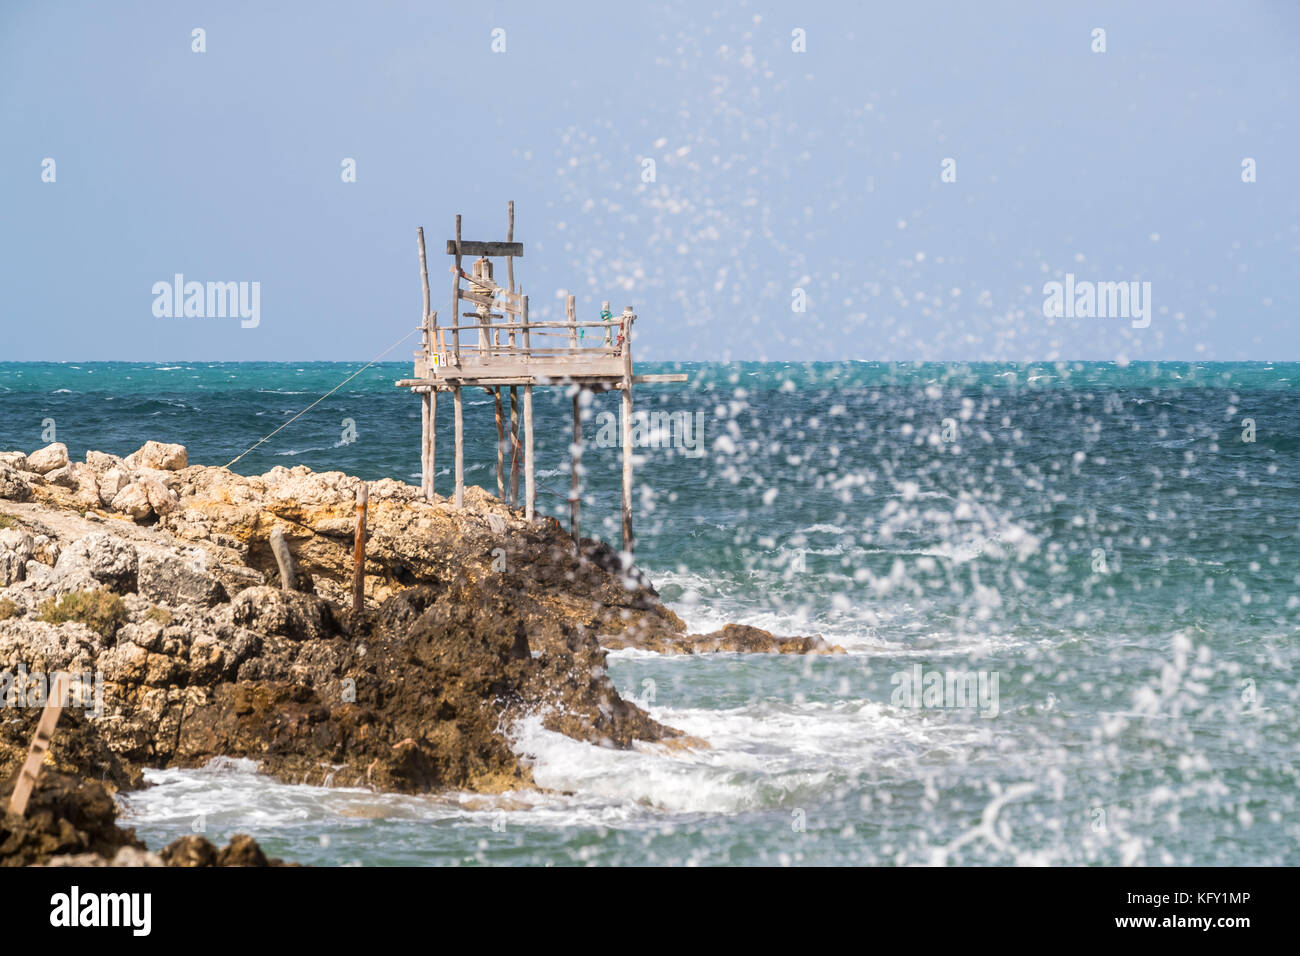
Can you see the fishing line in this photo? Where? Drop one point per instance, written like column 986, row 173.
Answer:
column 326, row 395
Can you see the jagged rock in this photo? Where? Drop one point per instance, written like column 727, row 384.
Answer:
column 13, row 486
column 133, row 499
column 158, row 455
column 14, row 459
column 269, row 610
column 111, row 481
column 242, row 851
column 166, row 577
column 79, row 478
column 66, row 815
column 105, row 557
column 190, row 850
column 732, row 638
column 16, row 549
column 52, row 456
column 102, row 461
column 161, row 498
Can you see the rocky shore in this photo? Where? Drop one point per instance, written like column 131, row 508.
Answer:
column 158, row 578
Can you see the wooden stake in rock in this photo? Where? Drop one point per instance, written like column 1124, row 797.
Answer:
column 30, row 775
column 280, row 548
column 359, row 553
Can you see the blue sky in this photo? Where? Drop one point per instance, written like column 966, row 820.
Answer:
column 774, row 170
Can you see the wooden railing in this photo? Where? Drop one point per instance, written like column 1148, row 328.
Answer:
column 524, row 340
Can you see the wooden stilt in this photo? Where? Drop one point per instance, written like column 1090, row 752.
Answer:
column 530, row 484
column 459, row 404
column 627, row 320
column 575, row 469
column 514, row 446
column 501, row 445
column 455, row 298
column 426, row 344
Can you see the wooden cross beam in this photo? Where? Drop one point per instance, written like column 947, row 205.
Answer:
column 469, row 248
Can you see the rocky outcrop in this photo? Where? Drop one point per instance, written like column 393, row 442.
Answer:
column 732, row 638
column 158, row 577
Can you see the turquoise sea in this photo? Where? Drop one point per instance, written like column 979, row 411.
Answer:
column 1111, row 553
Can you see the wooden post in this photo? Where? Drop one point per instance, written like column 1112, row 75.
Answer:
column 575, row 467
column 514, row 445
column 455, row 298
column 359, row 553
column 30, row 775
column 283, row 559
column 510, row 237
column 432, row 397
column 627, row 320
column 604, row 311
column 530, row 484
column 571, row 309
column 501, row 445
column 426, row 398
column 460, row 446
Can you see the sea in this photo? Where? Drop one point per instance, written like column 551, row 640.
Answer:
column 1066, row 592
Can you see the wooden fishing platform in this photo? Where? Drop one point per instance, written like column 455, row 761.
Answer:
column 502, row 348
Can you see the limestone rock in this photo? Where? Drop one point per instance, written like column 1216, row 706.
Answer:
column 44, row 460
column 109, row 482
column 269, row 610
column 108, row 559
column 133, row 500
column 167, row 577
column 155, row 454
column 13, row 485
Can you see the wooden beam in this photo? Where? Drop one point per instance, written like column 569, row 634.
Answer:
column 530, row 482
column 30, row 774
column 469, row 247
column 460, row 446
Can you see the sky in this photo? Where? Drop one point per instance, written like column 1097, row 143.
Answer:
column 912, row 177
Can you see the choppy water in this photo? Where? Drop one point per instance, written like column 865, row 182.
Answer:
column 1098, row 538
